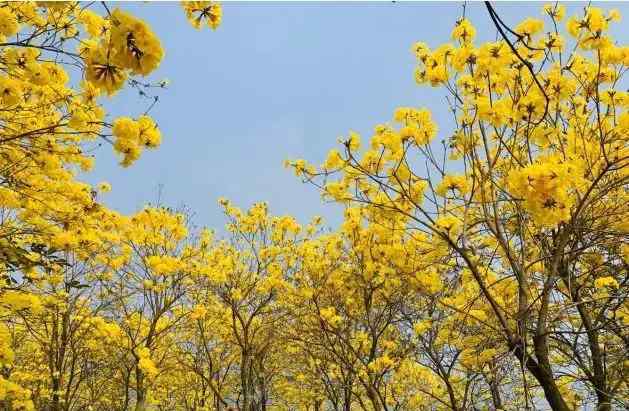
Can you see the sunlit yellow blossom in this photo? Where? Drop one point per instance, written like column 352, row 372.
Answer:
column 198, row 11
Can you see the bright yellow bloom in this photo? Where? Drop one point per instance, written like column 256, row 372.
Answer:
column 198, row 11
column 464, row 31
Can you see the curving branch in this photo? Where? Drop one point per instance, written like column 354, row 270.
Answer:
column 501, row 26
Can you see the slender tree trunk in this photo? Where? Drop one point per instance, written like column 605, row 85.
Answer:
column 347, row 396
column 127, row 378
column 495, row 392
column 245, row 381
column 543, row 375
column 599, row 376
column 373, row 398
column 55, row 405
column 140, row 390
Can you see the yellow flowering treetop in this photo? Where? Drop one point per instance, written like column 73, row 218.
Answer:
column 50, row 127
column 532, row 202
column 58, row 60
column 247, row 277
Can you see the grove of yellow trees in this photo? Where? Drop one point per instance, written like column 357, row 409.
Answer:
column 486, row 270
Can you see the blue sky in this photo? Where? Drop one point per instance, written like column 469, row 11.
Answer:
column 278, row 81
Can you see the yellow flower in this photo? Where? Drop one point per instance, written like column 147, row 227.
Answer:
column 545, row 189
column 333, row 161
column 65, row 240
column 135, row 46
column 448, row 224
column 197, row 11
column 103, row 73
column 145, row 363
column 18, row 300
column 198, row 311
column 417, row 125
column 421, row 327
column 149, row 134
column 10, row 91
column 603, row 282
column 556, row 11
column 126, row 128
column 9, row 25
column 330, row 316
column 464, row 31
column 353, row 142
column 104, row 187
column 421, row 50
column 595, row 20
column 94, row 24
column 453, row 183
column 529, row 27
column 614, row 15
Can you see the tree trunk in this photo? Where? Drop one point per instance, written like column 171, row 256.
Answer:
column 373, row 398
column 55, row 405
column 140, row 390
column 544, row 377
column 245, row 382
column 495, row 392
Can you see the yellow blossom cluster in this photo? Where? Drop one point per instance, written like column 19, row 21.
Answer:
column 123, row 46
column 145, row 363
column 132, row 136
column 199, row 11
column 546, row 190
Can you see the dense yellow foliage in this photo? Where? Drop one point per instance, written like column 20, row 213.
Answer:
column 531, row 208
column 494, row 277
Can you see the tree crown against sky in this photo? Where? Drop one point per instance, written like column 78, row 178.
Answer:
column 486, row 269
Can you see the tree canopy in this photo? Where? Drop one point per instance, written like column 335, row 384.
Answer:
column 484, row 270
